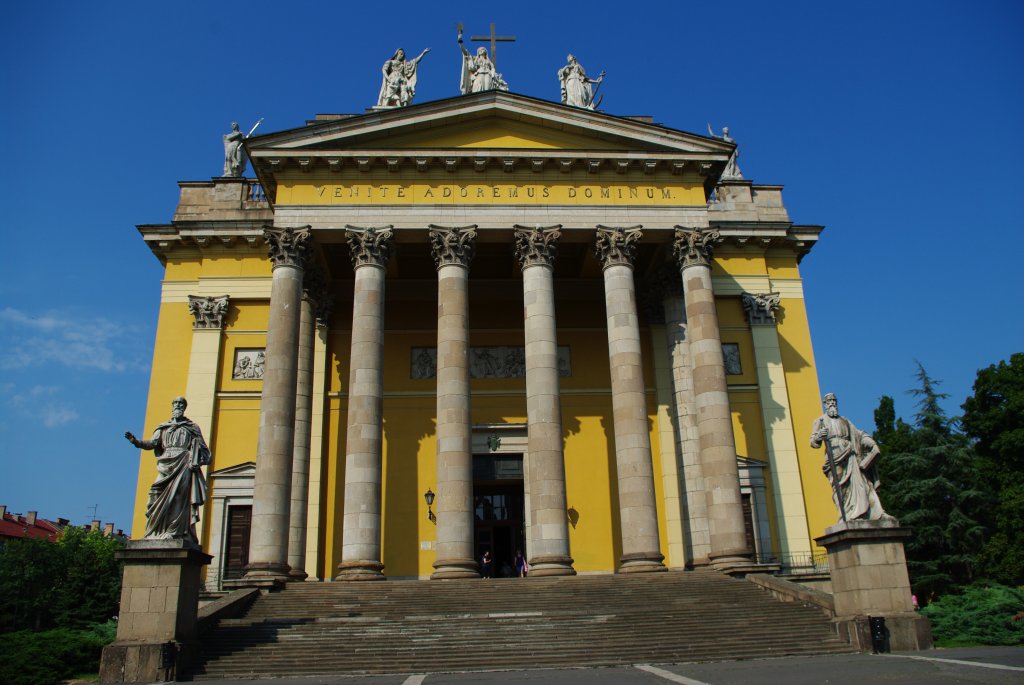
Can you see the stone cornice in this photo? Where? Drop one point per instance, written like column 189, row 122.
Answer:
column 370, row 246
column 616, row 245
column 452, row 245
column 537, row 245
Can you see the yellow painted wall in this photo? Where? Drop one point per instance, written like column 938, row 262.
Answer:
column 167, row 380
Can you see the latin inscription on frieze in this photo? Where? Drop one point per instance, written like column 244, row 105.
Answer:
column 485, row 362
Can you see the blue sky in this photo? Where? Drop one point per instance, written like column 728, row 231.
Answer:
column 897, row 125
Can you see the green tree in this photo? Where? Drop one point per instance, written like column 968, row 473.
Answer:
column 994, row 419
column 929, row 482
column 72, row 583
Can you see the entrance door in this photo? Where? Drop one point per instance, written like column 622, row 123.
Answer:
column 237, row 553
column 498, row 512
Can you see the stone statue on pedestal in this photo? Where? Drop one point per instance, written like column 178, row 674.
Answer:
column 234, row 154
column 478, row 72
column 398, row 86
column 851, row 458
column 732, row 169
column 179, row 490
column 576, row 85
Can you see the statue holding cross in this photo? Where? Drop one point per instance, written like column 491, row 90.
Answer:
column 478, row 71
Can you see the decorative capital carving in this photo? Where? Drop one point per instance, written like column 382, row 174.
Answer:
column 537, row 245
column 693, row 246
column 208, row 311
column 452, row 245
column 761, row 307
column 369, row 246
column 616, row 245
column 288, row 245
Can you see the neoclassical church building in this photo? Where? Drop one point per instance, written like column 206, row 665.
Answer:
column 490, row 323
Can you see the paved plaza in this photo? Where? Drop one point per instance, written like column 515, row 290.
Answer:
column 975, row 665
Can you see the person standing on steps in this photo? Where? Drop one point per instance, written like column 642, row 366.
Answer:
column 486, row 565
column 522, row 568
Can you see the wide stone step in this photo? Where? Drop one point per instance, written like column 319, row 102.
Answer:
column 415, row 626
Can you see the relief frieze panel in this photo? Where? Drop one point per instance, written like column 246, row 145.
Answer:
column 485, row 362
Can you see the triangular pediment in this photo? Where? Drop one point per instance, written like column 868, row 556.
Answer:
column 492, row 120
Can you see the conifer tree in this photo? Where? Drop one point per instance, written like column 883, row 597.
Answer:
column 929, row 482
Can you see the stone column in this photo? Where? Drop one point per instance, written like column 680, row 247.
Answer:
column 711, row 394
column 536, row 249
column 314, row 555
column 268, row 542
column 638, row 510
column 687, row 437
column 453, row 250
column 312, row 287
column 778, row 428
column 360, row 547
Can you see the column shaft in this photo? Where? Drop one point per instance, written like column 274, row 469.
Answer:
column 300, row 453
column 549, row 520
column 638, row 509
column 361, row 534
column 268, row 542
column 726, row 528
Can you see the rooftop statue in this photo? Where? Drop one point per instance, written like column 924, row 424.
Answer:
column 732, row 169
column 478, row 73
column 398, row 86
column 851, row 460
column 234, row 153
column 576, row 85
column 179, row 490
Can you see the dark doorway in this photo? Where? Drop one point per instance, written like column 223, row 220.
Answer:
column 237, row 552
column 498, row 511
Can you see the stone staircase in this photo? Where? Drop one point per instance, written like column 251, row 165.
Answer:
column 465, row 625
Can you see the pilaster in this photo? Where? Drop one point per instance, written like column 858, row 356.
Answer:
column 778, row 425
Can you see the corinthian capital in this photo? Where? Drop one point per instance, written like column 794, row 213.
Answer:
column 616, row 245
column 288, row 245
column 314, row 282
column 761, row 308
column 369, row 246
column 208, row 311
column 324, row 310
column 537, row 245
column 692, row 246
column 452, row 245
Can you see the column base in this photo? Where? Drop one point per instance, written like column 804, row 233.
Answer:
column 360, row 570
column 729, row 558
column 554, row 565
column 455, row 568
column 642, row 562
column 296, row 575
column 261, row 574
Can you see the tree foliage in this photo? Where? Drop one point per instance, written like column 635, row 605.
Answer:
column 994, row 419
column 980, row 616
column 929, row 482
column 72, row 583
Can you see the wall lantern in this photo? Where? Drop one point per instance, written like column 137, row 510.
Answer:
column 429, row 497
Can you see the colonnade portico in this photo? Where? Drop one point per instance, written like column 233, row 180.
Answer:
column 548, row 533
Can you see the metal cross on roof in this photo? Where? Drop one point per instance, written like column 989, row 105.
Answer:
column 493, row 39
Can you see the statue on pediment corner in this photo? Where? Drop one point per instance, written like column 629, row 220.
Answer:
column 732, row 168
column 398, row 86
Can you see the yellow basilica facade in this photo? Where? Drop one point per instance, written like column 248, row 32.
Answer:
column 490, row 323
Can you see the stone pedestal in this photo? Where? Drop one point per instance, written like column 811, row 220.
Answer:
column 869, row 579
column 156, row 628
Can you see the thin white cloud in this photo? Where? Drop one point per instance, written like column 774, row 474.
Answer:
column 95, row 343
column 53, row 416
